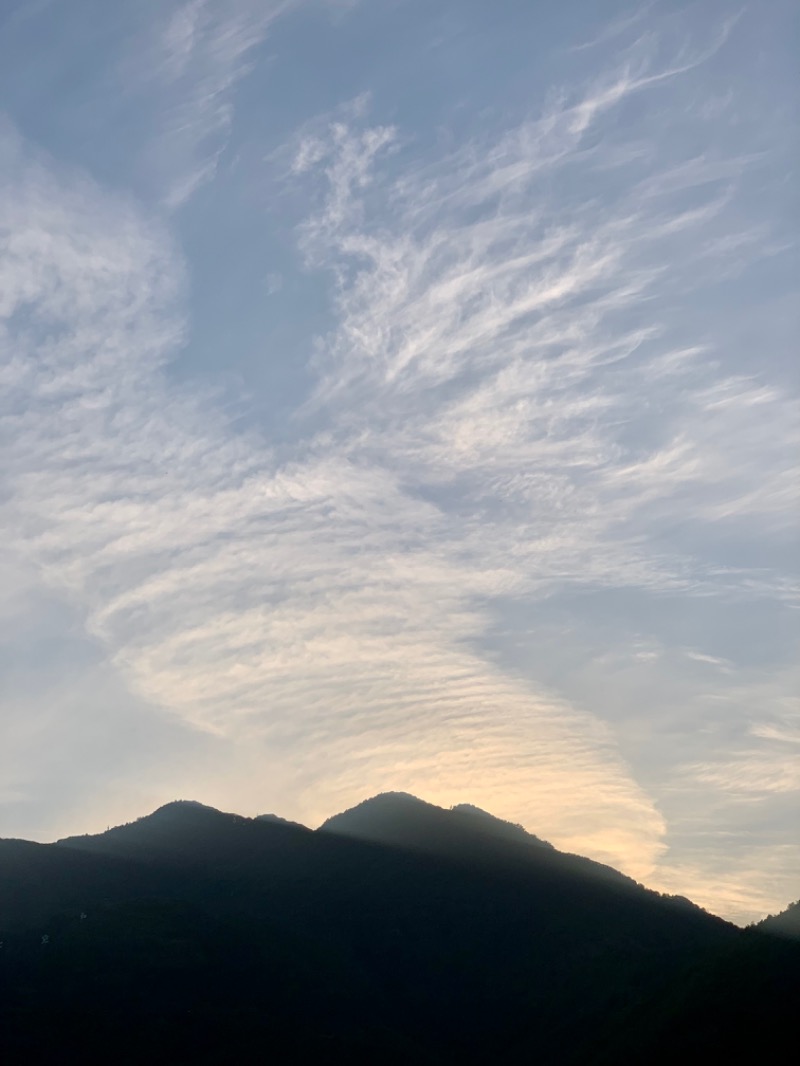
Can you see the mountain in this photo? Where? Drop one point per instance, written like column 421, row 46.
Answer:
column 397, row 932
column 38, row 880
column 188, row 832
column 477, row 839
column 277, row 818
column 786, row 924
column 470, row 814
column 400, row 819
column 464, row 833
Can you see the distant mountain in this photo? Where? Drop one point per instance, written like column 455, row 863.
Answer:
column 786, row 924
column 465, row 833
column 175, row 832
column 398, row 932
column 398, row 818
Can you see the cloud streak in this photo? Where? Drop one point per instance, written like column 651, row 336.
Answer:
column 187, row 61
column 315, row 606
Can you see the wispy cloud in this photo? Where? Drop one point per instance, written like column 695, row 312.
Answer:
column 187, row 61
column 711, row 660
column 484, row 339
column 316, row 606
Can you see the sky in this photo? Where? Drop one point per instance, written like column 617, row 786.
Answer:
column 402, row 395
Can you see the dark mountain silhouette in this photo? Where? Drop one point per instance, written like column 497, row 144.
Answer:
column 39, row 880
column 277, row 818
column 398, row 932
column 400, row 819
column 465, row 832
column 499, row 827
column 786, row 924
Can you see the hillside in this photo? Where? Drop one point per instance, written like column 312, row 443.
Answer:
column 397, row 932
column 786, row 924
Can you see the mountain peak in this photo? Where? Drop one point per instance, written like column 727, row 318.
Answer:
column 182, row 806
column 379, row 811
column 170, row 828
column 403, row 820
column 386, row 799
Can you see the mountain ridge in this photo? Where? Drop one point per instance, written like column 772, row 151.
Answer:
column 785, row 923
column 401, row 932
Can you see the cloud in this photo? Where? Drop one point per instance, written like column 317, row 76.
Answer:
column 187, row 60
column 712, row 660
column 489, row 350
column 313, row 606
